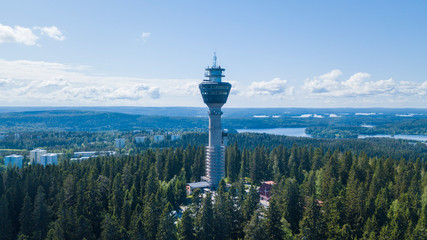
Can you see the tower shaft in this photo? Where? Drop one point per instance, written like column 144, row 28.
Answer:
column 215, row 94
column 215, row 129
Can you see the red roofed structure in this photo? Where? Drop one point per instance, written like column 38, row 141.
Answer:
column 265, row 190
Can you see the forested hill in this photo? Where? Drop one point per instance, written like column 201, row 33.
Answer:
column 320, row 194
column 91, row 121
column 343, row 123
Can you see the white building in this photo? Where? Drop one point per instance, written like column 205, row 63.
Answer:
column 158, row 138
column 14, row 160
column 139, row 139
column 79, row 159
column 35, row 155
column 175, row 137
column 84, row 154
column 49, row 159
column 120, row 142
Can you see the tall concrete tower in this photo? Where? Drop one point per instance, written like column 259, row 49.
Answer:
column 215, row 94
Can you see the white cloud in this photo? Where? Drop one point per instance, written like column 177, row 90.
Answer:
column 273, row 87
column 5, row 82
column 30, row 82
column 26, row 36
column 47, row 83
column 324, row 83
column 144, row 36
column 52, row 32
column 357, row 85
column 17, row 34
column 136, row 92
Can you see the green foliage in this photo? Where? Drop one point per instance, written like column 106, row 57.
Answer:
column 186, row 227
column 256, row 228
column 205, row 219
column 320, row 193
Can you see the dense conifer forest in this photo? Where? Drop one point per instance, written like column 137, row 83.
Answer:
column 321, row 192
column 345, row 123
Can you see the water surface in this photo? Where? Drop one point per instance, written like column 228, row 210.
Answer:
column 293, row 132
column 398, row 136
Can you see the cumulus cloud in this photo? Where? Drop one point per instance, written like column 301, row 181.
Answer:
column 357, row 85
column 55, row 83
column 273, row 87
column 5, row 82
column 27, row 36
column 17, row 34
column 145, row 35
column 52, row 32
column 47, row 83
column 136, row 92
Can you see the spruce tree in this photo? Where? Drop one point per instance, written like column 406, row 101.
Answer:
column 205, row 219
column 111, row 229
column 273, row 217
column 84, row 229
column 286, row 230
column 222, row 213
column 26, row 217
column 150, row 218
column 251, row 203
column 186, row 227
column 40, row 215
column 136, row 231
column 255, row 230
column 312, row 225
column 166, row 229
column 5, row 226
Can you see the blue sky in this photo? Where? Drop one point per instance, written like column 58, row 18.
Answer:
column 153, row 53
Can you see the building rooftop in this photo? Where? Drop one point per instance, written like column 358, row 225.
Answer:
column 49, row 155
column 37, row 150
column 14, row 155
column 270, row 182
column 198, row 184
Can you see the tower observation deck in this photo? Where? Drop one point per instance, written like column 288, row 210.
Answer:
column 215, row 94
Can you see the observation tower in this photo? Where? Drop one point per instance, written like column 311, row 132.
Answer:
column 215, row 94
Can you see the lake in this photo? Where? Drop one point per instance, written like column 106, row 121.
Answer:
column 300, row 132
column 398, row 136
column 293, row 132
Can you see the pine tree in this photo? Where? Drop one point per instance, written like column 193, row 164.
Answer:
column 5, row 226
column 286, row 230
column 137, row 225
column 235, row 197
column 222, row 213
column 233, row 159
column 116, row 197
column 420, row 231
column 126, row 214
column 312, row 224
column 152, row 184
column 83, row 229
column 273, row 217
column 93, row 204
column 26, row 217
column 166, row 229
column 251, row 203
column 256, row 166
column 186, row 227
column 255, row 230
column 292, row 203
column 111, row 229
column 205, row 219
column 56, row 232
column 40, row 215
column 150, row 218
